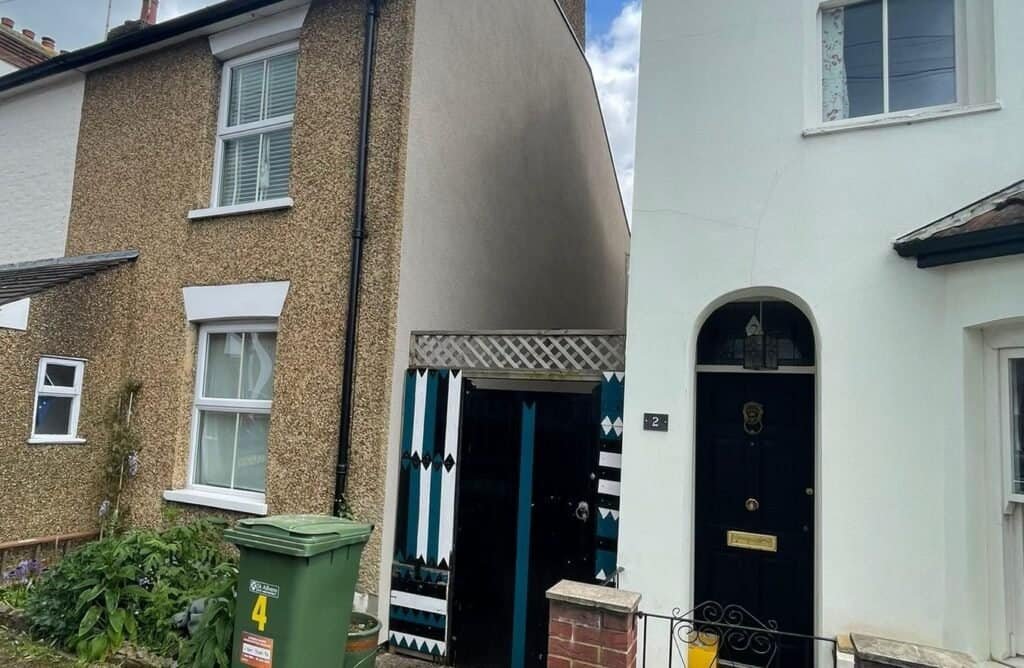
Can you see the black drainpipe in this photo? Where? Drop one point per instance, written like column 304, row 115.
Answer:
column 356, row 262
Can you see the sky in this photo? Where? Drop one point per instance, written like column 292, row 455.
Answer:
column 613, row 49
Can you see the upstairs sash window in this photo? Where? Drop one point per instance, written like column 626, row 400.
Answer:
column 254, row 139
column 884, row 56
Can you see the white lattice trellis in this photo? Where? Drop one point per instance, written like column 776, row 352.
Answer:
column 563, row 351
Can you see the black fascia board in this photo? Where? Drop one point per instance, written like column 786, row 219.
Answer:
column 129, row 42
column 980, row 245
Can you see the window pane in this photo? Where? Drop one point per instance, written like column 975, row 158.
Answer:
column 53, row 416
column 59, row 375
column 1017, row 423
column 245, row 103
column 251, row 460
column 223, row 365
column 216, row 448
column 281, row 76
column 922, row 54
column 862, row 55
column 258, row 367
column 277, row 162
column 240, row 170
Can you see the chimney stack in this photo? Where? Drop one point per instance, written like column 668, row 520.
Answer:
column 31, row 34
column 7, row 22
column 49, row 43
column 149, row 9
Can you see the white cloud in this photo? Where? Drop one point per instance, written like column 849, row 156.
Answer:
column 614, row 57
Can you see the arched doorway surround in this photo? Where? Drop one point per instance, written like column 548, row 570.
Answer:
column 755, row 465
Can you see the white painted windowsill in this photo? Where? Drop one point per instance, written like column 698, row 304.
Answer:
column 56, row 440
column 239, row 209
column 899, row 118
column 224, row 501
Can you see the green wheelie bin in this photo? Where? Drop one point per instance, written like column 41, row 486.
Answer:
column 296, row 578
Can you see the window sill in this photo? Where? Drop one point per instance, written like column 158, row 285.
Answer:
column 221, row 500
column 239, row 209
column 899, row 118
column 56, row 440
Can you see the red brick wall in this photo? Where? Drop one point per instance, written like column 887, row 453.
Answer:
column 581, row 637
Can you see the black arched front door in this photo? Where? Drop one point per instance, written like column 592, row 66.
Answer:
column 754, row 502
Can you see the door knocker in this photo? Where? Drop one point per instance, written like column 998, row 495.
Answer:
column 752, row 414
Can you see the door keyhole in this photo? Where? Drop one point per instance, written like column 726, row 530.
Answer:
column 752, row 505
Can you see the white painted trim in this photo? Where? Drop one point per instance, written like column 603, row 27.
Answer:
column 1006, row 435
column 15, row 315
column 900, row 118
column 242, row 300
column 55, row 440
column 438, row 606
column 74, row 392
column 609, row 487
column 728, row 368
column 276, row 204
column 610, row 460
column 418, row 642
column 259, row 34
column 223, row 500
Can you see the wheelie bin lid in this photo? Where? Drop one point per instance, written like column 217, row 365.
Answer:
column 298, row 535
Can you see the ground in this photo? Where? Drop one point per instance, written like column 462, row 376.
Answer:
column 18, row 650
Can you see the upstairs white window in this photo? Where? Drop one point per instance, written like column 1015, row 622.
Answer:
column 884, row 56
column 58, row 400
column 234, row 393
column 254, row 136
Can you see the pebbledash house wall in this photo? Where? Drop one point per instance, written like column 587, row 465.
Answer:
column 39, row 136
column 513, row 218
column 54, row 489
column 145, row 159
column 732, row 199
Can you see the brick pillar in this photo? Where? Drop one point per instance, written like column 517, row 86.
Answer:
column 591, row 626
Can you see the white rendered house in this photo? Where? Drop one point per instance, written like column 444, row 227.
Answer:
column 850, row 413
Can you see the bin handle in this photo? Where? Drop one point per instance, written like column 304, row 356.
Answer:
column 369, row 656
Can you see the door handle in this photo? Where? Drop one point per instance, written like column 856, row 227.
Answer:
column 583, row 511
column 752, row 505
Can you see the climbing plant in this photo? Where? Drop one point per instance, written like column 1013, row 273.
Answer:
column 123, row 462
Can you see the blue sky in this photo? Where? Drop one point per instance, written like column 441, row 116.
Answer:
column 613, row 41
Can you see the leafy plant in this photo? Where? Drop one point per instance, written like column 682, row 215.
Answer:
column 122, row 458
column 211, row 644
column 127, row 587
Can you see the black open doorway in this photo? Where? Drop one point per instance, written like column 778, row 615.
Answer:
column 525, row 506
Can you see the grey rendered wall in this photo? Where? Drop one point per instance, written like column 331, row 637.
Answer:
column 512, row 214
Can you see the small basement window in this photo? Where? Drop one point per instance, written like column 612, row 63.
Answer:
column 58, row 400
column 885, row 56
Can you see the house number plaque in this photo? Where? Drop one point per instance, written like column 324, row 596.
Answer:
column 745, row 540
column 655, row 422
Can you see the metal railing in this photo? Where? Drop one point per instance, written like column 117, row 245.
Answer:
column 712, row 634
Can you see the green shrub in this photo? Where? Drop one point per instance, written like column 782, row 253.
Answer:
column 127, row 587
column 211, row 645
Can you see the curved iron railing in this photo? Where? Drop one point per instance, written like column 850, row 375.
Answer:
column 730, row 635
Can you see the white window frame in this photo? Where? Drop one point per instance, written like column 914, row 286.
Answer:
column 242, row 500
column 75, row 392
column 1005, row 411
column 226, row 133
column 960, row 57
